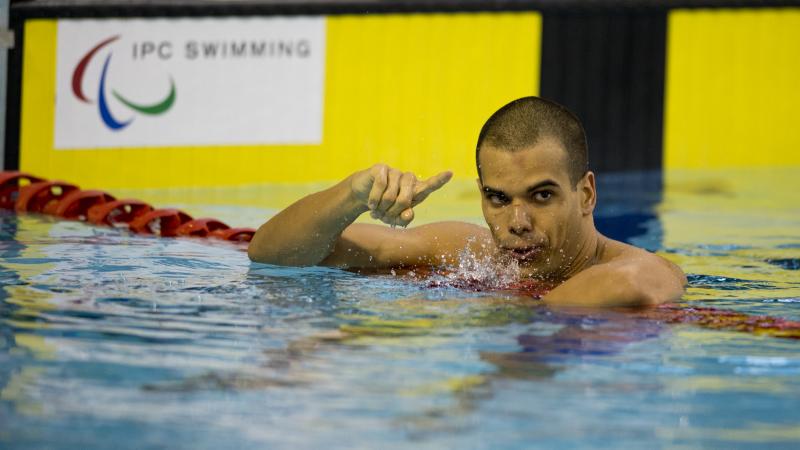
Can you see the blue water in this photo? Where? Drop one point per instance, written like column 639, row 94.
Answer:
column 109, row 340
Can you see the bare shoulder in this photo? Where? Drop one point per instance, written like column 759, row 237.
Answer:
column 623, row 275
column 640, row 260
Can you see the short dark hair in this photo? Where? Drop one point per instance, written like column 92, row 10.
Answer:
column 526, row 121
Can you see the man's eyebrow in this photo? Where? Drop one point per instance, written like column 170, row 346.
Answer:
column 490, row 190
column 541, row 184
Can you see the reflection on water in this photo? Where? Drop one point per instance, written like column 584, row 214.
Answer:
column 148, row 343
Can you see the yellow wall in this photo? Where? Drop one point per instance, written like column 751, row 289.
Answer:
column 409, row 90
column 732, row 88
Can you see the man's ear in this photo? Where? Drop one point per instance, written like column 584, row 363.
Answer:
column 588, row 193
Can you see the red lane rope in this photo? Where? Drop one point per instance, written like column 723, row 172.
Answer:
column 10, row 184
column 201, row 227
column 117, row 212
column 163, row 222
column 76, row 204
column 25, row 193
column 42, row 196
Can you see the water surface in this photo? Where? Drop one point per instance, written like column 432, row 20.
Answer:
column 108, row 339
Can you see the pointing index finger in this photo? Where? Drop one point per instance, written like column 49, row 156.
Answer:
column 425, row 188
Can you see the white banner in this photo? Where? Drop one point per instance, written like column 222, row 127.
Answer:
column 189, row 82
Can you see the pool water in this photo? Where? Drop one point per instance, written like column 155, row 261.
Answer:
column 113, row 340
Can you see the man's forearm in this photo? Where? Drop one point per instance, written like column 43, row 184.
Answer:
column 306, row 232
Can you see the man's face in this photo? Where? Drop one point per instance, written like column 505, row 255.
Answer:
column 536, row 215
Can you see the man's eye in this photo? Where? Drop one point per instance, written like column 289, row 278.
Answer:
column 495, row 199
column 542, row 196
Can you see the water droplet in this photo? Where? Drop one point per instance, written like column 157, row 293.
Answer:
column 483, row 271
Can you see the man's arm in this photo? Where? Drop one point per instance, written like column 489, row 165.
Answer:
column 309, row 231
column 366, row 246
column 637, row 278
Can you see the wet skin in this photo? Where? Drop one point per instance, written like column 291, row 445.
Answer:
column 536, row 215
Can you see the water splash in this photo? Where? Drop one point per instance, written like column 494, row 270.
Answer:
column 478, row 272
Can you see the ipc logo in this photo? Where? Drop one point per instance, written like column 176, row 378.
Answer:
column 109, row 120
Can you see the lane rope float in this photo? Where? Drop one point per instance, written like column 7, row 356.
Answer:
column 26, row 193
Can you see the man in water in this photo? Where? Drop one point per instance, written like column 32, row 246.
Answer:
column 538, row 197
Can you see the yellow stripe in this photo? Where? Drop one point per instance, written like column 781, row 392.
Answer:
column 38, row 95
column 408, row 90
column 732, row 88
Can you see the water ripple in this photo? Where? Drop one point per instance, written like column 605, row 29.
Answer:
column 786, row 263
column 725, row 283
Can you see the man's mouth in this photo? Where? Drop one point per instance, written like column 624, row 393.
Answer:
column 524, row 253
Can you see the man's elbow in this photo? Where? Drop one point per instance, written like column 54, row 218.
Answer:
column 265, row 255
column 264, row 250
column 253, row 254
column 259, row 256
column 274, row 259
column 282, row 257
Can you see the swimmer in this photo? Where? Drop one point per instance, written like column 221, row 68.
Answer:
column 538, row 198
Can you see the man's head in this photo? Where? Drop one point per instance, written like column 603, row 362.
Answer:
column 537, row 194
column 522, row 123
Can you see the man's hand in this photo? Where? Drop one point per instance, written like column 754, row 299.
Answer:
column 391, row 194
column 311, row 229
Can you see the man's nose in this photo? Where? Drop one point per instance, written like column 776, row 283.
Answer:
column 520, row 221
